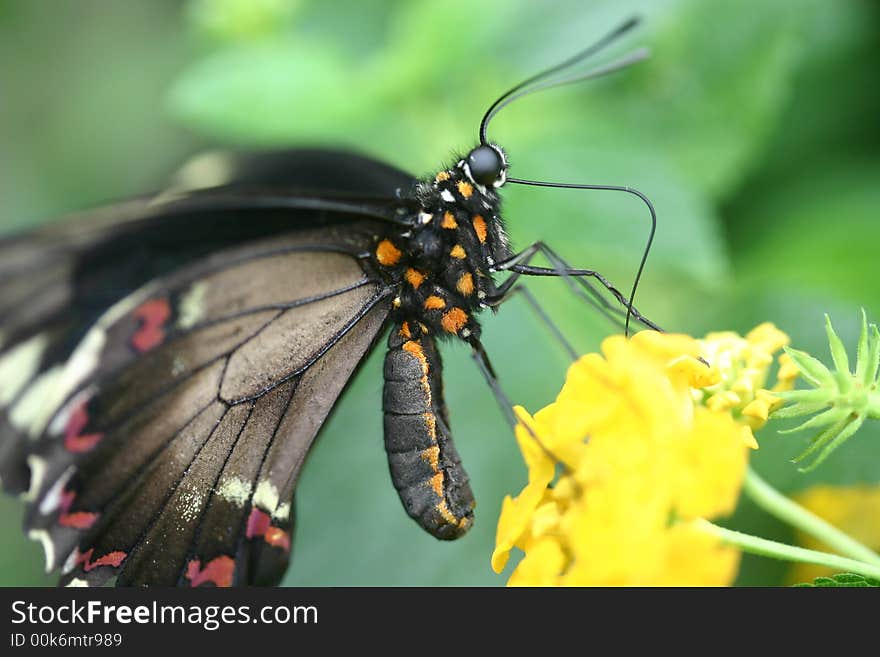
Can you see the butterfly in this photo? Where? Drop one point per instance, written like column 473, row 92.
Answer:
column 167, row 362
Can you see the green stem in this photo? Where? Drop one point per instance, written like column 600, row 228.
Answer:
column 792, row 513
column 766, row 548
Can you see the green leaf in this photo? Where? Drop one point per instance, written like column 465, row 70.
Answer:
column 842, row 580
column 873, row 356
column 838, row 355
column 831, row 416
column 798, row 410
column 812, row 368
column 830, row 442
column 863, row 351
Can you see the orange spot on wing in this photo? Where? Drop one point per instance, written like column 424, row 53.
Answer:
column 465, row 188
column 442, row 176
column 387, row 254
column 449, row 221
column 404, row 331
column 465, row 284
column 479, row 228
column 458, row 252
column 414, row 277
column 453, row 320
column 217, row 571
column 434, row 302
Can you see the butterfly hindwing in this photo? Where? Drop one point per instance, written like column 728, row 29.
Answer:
column 168, row 445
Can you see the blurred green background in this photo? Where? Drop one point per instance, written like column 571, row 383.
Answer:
column 755, row 129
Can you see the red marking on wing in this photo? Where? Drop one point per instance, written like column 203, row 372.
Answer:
column 218, row 571
column 278, row 538
column 74, row 441
column 77, row 519
column 153, row 314
column 259, row 524
column 110, row 559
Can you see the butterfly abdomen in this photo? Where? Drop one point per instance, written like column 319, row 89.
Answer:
column 425, row 468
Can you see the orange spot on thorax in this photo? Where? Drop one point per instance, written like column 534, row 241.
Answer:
column 480, row 228
column 414, row 277
column 434, row 302
column 387, row 254
column 454, row 320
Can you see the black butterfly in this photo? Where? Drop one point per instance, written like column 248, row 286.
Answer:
column 167, row 362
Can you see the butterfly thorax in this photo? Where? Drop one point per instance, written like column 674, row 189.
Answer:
column 442, row 266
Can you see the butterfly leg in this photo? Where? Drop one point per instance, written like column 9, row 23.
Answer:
column 481, row 358
column 576, row 279
column 539, row 310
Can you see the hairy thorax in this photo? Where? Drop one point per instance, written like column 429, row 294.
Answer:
column 442, row 267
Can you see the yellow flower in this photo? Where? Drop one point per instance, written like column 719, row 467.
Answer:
column 745, row 365
column 853, row 509
column 644, row 455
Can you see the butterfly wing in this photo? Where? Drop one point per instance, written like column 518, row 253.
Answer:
column 182, row 418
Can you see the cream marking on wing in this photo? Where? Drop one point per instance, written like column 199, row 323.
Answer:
column 33, row 409
column 235, row 490
column 52, row 500
column 38, row 467
column 282, row 512
column 206, row 170
column 87, row 355
column 62, row 415
column 70, row 562
column 447, row 196
column 19, row 365
column 76, row 582
column 45, row 540
column 190, row 505
column 266, row 495
column 192, row 305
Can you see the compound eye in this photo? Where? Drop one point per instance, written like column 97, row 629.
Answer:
column 486, row 166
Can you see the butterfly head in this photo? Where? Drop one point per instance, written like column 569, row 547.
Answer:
column 486, row 165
